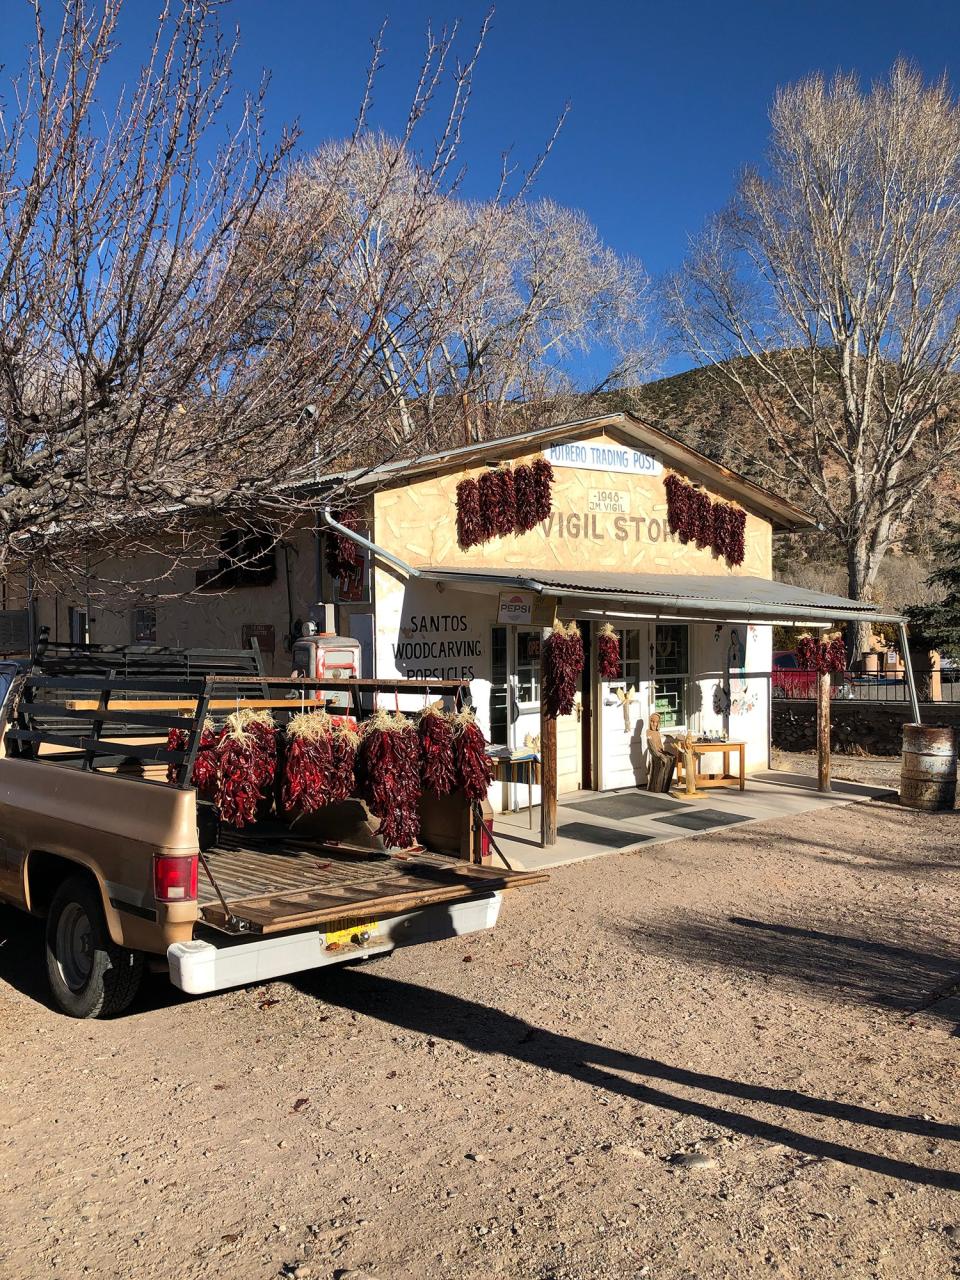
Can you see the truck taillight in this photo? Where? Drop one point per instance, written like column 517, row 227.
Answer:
column 175, row 879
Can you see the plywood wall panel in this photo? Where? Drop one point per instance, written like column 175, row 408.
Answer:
column 417, row 521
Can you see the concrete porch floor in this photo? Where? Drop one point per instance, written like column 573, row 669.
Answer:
column 583, row 835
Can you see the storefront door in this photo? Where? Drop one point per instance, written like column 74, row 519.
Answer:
column 624, row 708
column 654, row 662
column 515, row 706
column 525, row 684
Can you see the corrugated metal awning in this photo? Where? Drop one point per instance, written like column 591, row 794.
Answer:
column 690, row 596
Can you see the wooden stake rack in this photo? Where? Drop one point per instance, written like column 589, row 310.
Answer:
column 150, row 707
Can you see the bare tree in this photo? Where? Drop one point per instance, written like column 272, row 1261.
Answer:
column 828, row 296
column 170, row 343
column 494, row 301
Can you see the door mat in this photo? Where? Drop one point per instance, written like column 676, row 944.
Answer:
column 703, row 819
column 609, row 837
column 628, row 804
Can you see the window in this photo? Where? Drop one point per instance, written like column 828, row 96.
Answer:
column 498, row 687
column 528, row 667
column 79, row 625
column 631, row 656
column 248, row 558
column 671, row 667
column 144, row 626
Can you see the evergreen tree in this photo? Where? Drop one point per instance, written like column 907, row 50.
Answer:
column 937, row 625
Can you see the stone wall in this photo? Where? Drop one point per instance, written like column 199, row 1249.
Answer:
column 875, row 728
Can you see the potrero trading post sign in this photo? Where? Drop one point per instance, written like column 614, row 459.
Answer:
column 601, row 455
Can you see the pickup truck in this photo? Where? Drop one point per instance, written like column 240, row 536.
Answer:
column 129, row 870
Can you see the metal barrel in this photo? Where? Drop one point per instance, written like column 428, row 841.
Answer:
column 928, row 772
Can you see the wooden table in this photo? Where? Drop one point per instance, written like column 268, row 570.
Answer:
column 725, row 749
column 521, row 767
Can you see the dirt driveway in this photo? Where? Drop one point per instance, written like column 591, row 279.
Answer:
column 702, row 1061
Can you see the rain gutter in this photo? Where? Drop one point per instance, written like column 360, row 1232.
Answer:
column 374, row 548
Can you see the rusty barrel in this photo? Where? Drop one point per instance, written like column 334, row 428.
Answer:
column 928, row 772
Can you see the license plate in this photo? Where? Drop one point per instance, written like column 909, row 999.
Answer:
column 355, row 935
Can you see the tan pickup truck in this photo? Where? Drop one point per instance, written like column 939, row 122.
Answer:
column 96, row 841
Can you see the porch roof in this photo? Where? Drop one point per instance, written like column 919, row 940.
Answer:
column 668, row 595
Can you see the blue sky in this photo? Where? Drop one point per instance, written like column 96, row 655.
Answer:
column 668, row 100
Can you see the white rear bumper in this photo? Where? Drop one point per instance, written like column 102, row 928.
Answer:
column 201, row 966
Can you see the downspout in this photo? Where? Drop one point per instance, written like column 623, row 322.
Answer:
column 908, row 670
column 328, row 522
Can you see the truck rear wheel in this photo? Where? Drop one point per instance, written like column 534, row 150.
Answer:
column 90, row 976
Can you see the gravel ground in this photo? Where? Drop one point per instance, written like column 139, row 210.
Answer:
column 883, row 770
column 697, row 1062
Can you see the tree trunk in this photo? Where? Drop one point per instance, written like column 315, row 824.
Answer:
column 861, row 574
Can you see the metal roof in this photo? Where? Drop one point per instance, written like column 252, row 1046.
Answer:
column 690, row 596
column 780, row 511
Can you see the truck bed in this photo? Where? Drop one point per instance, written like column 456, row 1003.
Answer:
column 281, row 884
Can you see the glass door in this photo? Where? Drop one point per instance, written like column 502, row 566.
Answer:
column 624, row 704
column 525, row 684
column 671, row 668
column 653, row 676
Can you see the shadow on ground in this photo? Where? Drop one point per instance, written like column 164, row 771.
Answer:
column 483, row 1029
column 933, row 857
column 907, row 975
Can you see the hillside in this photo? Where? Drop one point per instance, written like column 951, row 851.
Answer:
column 704, row 412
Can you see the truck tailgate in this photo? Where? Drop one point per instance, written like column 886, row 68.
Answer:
column 269, row 891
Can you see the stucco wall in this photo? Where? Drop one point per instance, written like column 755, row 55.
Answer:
column 418, row 522
column 198, row 620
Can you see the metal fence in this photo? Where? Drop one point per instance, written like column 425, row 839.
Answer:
column 859, row 686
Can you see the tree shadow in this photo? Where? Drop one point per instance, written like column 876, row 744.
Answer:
column 484, row 1029
column 903, row 976
column 938, row 857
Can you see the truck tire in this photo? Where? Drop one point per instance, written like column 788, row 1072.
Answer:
column 89, row 975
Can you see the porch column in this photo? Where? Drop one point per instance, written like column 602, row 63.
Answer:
column 823, row 730
column 548, row 778
column 908, row 672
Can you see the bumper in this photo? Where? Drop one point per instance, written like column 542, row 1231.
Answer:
column 198, row 967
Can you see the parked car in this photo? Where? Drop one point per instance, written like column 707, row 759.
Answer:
column 790, row 680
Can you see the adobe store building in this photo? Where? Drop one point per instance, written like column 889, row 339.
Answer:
column 695, row 628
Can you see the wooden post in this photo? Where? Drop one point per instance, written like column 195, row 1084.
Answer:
column 823, row 730
column 548, row 779
column 690, row 769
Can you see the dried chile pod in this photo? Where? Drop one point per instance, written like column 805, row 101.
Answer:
column 176, row 741
column 542, row 488
column 237, row 791
column 474, row 767
column 437, row 751
column 307, row 764
column 390, row 766
column 677, row 504
column 469, row 523
column 525, row 492
column 489, row 486
column 721, row 528
column 836, row 654
column 343, row 782
column 562, row 666
column 806, row 651
column 736, row 545
column 507, row 503
column 205, row 766
column 342, row 553
column 608, row 653
column 702, row 518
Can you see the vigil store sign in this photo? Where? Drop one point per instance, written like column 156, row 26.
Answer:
column 603, row 525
